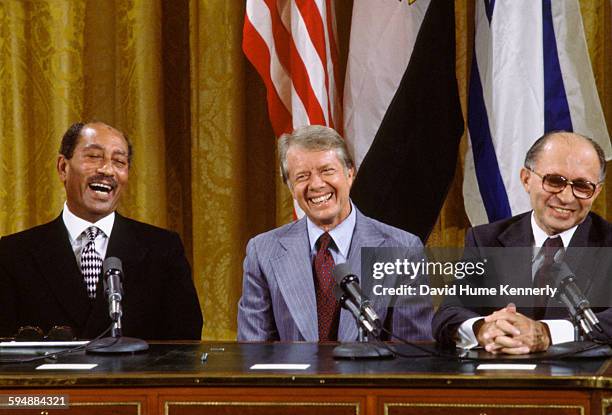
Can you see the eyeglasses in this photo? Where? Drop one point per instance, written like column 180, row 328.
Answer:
column 555, row 183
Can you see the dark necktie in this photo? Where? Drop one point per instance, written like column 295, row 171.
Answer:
column 328, row 309
column 543, row 276
column 91, row 261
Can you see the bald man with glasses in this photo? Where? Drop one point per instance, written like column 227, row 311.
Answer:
column 563, row 175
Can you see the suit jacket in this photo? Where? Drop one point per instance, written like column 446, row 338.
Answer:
column 593, row 232
column 41, row 284
column 278, row 294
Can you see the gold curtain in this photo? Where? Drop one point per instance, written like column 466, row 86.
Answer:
column 171, row 74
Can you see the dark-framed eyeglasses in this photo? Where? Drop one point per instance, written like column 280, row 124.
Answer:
column 555, row 183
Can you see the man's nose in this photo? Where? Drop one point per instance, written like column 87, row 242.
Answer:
column 316, row 181
column 106, row 167
column 566, row 195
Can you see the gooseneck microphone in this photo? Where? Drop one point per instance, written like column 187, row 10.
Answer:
column 113, row 286
column 349, row 283
column 570, row 294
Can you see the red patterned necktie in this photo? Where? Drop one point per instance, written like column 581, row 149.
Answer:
column 328, row 309
column 543, row 276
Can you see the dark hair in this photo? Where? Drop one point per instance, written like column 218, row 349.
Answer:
column 536, row 148
column 71, row 138
column 313, row 137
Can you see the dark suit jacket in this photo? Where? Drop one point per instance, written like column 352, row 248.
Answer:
column 593, row 232
column 41, row 284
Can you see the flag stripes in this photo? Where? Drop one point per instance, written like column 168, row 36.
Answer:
column 531, row 74
column 556, row 108
column 402, row 110
column 292, row 45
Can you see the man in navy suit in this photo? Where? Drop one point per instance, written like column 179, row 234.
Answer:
column 50, row 275
column 563, row 174
column 286, row 292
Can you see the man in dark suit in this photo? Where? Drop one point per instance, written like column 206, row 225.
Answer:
column 287, row 283
column 563, row 174
column 50, row 275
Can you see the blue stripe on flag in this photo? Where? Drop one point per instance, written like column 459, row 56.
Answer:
column 556, row 109
column 489, row 6
column 488, row 175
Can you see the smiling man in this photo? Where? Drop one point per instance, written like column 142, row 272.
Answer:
column 563, row 175
column 287, row 283
column 50, row 275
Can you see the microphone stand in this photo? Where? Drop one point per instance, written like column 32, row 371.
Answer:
column 577, row 335
column 362, row 349
column 116, row 343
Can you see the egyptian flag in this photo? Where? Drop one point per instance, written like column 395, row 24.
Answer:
column 402, row 113
column 530, row 74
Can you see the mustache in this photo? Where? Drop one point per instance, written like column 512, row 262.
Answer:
column 100, row 178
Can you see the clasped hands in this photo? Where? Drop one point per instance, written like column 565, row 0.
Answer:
column 508, row 331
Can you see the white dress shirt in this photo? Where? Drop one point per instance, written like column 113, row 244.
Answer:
column 560, row 330
column 342, row 236
column 76, row 226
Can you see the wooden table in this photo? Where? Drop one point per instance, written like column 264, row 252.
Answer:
column 172, row 378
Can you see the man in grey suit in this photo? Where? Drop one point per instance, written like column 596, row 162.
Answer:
column 287, row 284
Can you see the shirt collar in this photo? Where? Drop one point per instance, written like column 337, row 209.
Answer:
column 539, row 236
column 341, row 234
column 76, row 225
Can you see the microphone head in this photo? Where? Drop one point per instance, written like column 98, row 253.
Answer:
column 112, row 263
column 341, row 271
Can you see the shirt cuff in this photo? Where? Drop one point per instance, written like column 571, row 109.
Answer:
column 466, row 339
column 561, row 331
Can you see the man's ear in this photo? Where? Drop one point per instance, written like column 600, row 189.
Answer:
column 597, row 191
column 62, row 167
column 525, row 175
column 351, row 175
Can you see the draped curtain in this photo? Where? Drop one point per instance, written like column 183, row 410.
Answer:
column 171, row 74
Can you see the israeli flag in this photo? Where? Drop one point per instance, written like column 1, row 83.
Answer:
column 531, row 74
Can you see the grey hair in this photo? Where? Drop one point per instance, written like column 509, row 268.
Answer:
column 313, row 138
column 536, row 149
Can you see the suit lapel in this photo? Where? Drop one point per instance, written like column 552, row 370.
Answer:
column 293, row 272
column 57, row 264
column 519, row 235
column 581, row 255
column 364, row 235
column 124, row 244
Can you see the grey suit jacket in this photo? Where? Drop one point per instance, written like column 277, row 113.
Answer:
column 278, row 295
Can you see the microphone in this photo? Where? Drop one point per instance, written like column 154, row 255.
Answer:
column 348, row 303
column 349, row 283
column 573, row 298
column 113, row 288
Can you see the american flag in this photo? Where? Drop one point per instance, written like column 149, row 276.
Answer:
column 292, row 45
